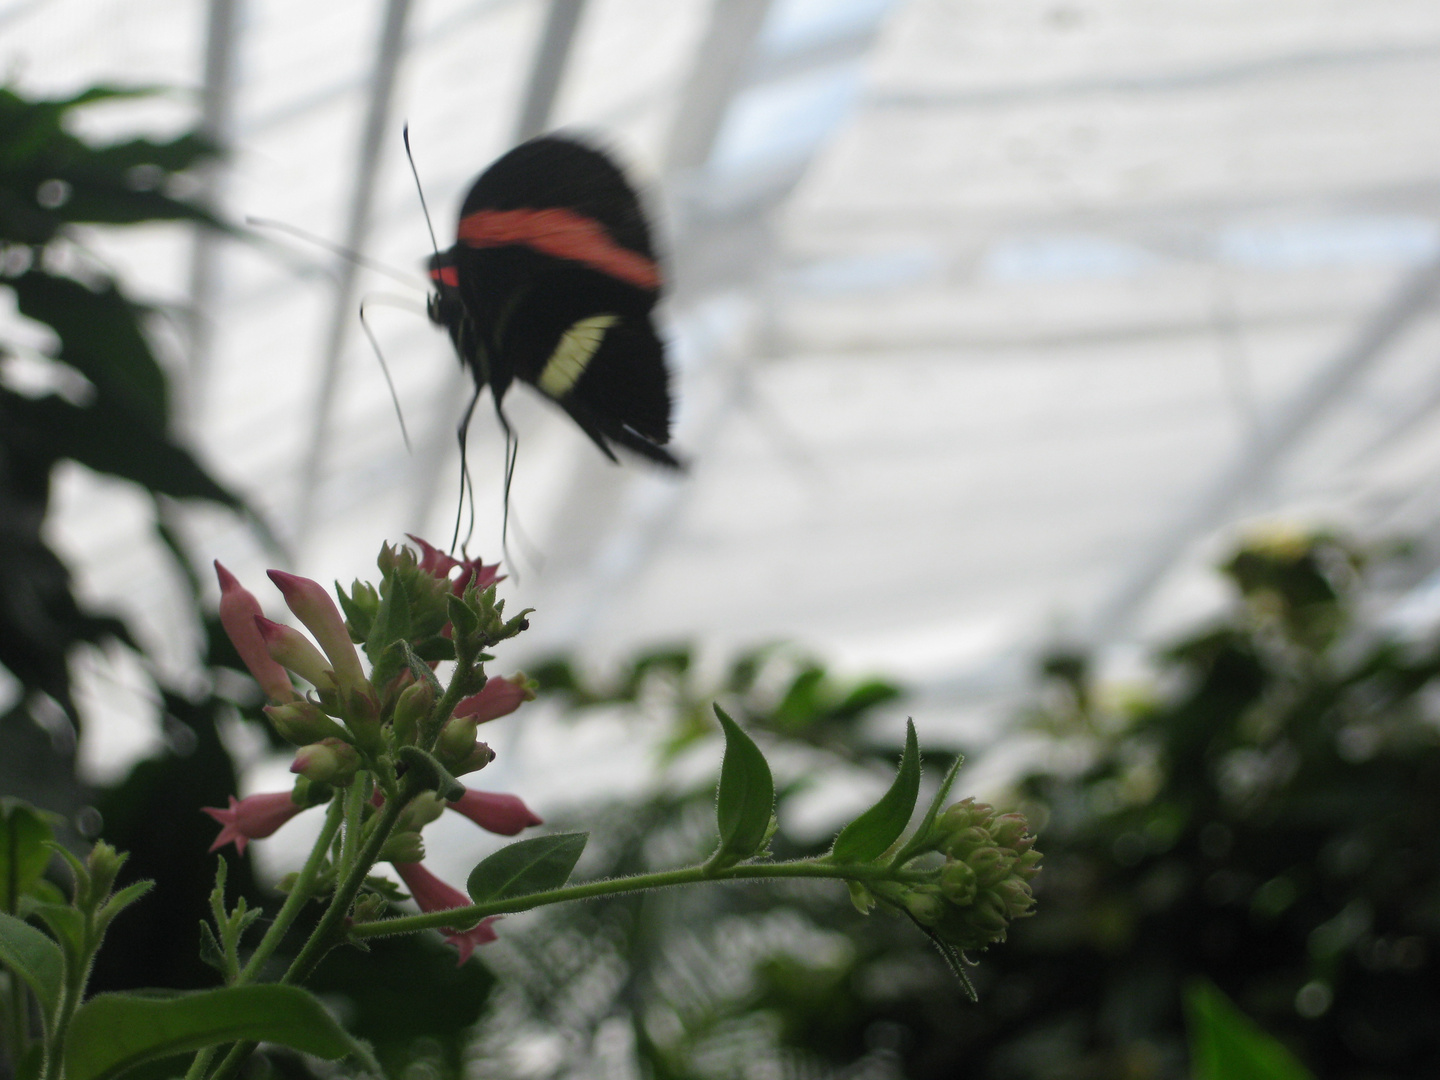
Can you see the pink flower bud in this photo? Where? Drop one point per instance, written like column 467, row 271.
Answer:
column 432, row 894
column 238, row 611
column 252, row 818
column 329, row 761
column 497, row 813
column 498, row 697
column 313, row 607
column 291, row 648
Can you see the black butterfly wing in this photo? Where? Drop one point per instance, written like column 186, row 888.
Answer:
column 553, row 282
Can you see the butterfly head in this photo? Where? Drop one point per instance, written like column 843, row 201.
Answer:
column 444, row 306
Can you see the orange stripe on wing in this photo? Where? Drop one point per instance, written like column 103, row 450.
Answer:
column 563, row 234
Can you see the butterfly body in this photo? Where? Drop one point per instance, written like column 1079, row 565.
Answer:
column 552, row 281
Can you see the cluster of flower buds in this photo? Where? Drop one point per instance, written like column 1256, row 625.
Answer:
column 984, row 883
column 350, row 719
column 396, row 718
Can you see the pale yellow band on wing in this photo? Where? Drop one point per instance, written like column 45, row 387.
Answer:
column 576, row 348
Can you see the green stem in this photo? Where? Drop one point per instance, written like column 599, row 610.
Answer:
column 327, row 932
column 462, row 917
column 77, row 974
column 354, row 816
column 289, row 911
column 299, row 895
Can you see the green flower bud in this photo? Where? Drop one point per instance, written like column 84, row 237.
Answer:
column 1015, row 894
column 414, row 705
column 362, row 716
column 403, row 847
column 303, row 722
column 861, row 897
column 924, row 905
column 307, row 793
column 1028, row 864
column 457, row 740
column 421, row 811
column 958, row 883
column 1009, row 831
column 963, row 814
column 480, row 755
column 991, row 865
column 962, row 843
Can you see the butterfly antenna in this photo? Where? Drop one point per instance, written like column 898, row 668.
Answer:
column 334, row 249
column 385, row 368
column 405, row 135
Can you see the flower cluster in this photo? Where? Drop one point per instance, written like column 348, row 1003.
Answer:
column 396, row 718
column 984, row 883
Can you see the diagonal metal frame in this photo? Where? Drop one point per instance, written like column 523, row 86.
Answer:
column 390, row 50
column 1256, row 465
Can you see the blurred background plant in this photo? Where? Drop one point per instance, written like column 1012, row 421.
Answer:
column 1264, row 813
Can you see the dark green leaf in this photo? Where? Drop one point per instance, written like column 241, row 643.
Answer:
column 1225, row 1044
column 108, row 439
column 868, row 836
column 101, row 337
column 120, row 901
column 67, row 924
column 35, row 958
column 24, row 831
column 746, row 798
column 538, row 864
column 392, row 624
column 112, row 1032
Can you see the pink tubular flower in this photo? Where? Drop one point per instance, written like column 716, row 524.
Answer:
column 313, row 607
column 497, row 813
column 252, row 818
column 438, row 564
column 432, row 894
column 292, row 649
column 238, row 611
column 498, row 697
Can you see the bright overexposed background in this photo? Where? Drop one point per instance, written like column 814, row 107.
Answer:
column 992, row 321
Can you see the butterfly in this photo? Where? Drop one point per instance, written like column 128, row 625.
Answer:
column 552, row 281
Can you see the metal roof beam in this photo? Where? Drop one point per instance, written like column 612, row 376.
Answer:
column 390, row 48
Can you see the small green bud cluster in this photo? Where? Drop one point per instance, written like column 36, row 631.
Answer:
column 984, row 883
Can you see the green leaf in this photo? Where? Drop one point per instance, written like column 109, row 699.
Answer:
column 113, row 1032
column 869, row 835
column 1225, row 1044
column 35, row 958
column 922, row 830
column 67, row 924
column 392, row 624
column 24, row 831
column 120, row 901
column 528, row 866
column 746, row 798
